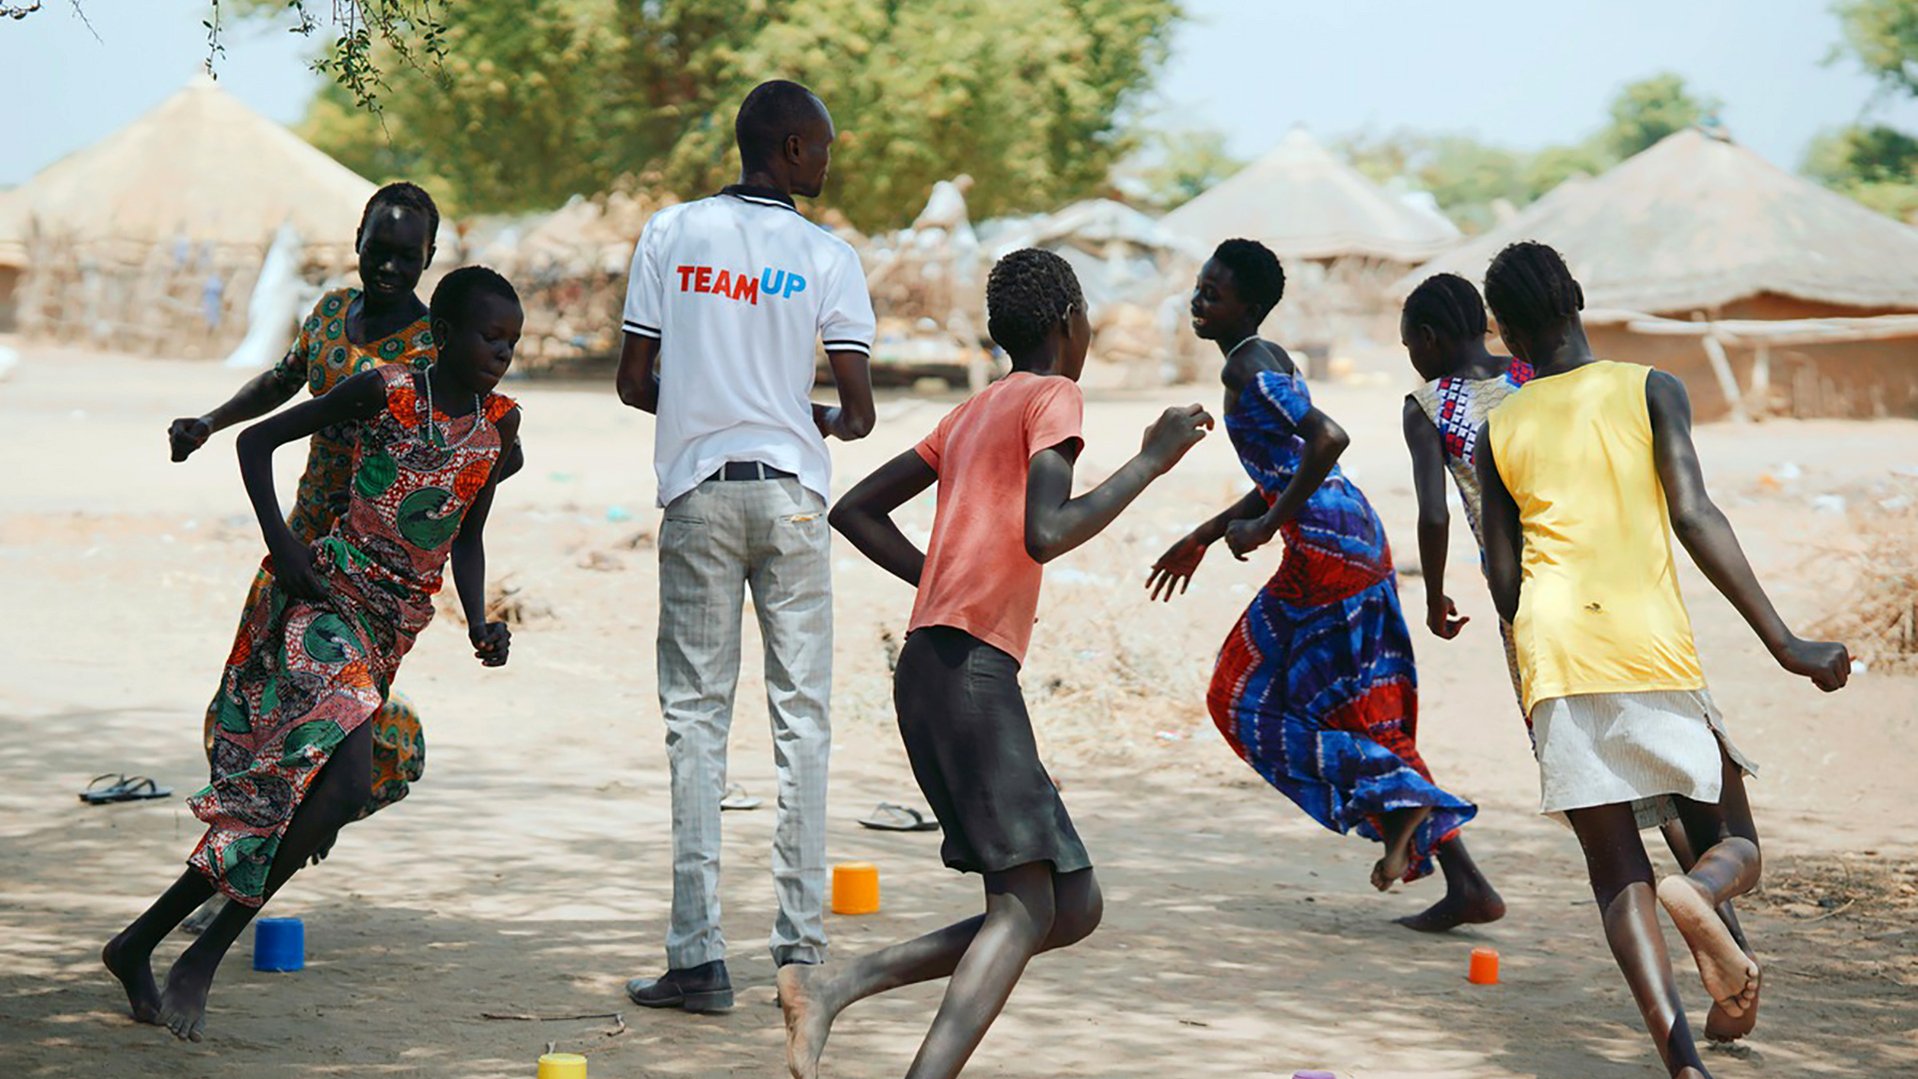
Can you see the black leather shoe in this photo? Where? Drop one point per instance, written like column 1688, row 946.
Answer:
column 704, row 988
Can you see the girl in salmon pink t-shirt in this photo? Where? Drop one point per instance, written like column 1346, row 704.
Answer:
column 1003, row 463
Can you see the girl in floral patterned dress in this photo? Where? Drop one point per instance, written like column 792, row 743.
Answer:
column 349, row 331
column 318, row 648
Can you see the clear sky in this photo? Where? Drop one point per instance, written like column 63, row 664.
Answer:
column 1519, row 72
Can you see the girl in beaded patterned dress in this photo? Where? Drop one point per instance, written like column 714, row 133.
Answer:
column 1443, row 330
column 1315, row 687
column 318, row 648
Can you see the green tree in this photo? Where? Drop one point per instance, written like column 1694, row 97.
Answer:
column 1646, row 111
column 1876, row 165
column 534, row 102
column 1882, row 35
column 1465, row 176
column 1174, row 165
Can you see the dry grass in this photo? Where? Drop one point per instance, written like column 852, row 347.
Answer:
column 1879, row 619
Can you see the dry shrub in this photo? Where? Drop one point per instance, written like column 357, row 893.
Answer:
column 1878, row 619
column 504, row 603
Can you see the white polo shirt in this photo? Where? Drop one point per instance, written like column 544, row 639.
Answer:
column 737, row 288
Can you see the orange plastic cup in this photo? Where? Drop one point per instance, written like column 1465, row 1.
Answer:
column 1484, row 968
column 855, row 888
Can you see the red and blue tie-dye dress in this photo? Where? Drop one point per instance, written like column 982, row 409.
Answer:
column 1315, row 686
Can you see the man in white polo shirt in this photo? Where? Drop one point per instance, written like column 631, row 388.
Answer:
column 727, row 299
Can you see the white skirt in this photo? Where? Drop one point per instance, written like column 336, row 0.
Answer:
column 1645, row 749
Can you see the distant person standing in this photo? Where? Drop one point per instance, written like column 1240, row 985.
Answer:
column 728, row 297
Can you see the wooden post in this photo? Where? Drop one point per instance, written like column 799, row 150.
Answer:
column 1727, row 382
column 1760, row 396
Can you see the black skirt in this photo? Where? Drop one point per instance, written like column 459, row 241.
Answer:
column 970, row 740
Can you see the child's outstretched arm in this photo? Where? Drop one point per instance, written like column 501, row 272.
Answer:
column 358, row 398
column 1172, row 573
column 864, row 515
column 491, row 640
column 1056, row 522
column 260, row 395
column 1435, row 519
column 1504, row 543
column 1707, row 535
column 1324, row 442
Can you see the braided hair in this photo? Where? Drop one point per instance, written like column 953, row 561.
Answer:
column 454, row 296
column 1449, row 305
column 1530, row 288
column 1256, row 271
column 402, row 196
column 1028, row 293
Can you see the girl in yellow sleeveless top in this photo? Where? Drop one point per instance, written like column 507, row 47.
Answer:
column 1586, row 473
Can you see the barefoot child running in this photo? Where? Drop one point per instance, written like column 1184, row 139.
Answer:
column 1443, row 330
column 1003, row 462
column 350, row 330
column 316, row 653
column 1586, row 475
column 1315, row 688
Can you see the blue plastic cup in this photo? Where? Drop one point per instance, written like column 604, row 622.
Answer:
column 279, row 944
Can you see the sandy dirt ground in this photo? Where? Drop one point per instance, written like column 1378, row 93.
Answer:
column 528, row 873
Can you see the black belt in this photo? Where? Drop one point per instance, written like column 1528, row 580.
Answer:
column 749, row 470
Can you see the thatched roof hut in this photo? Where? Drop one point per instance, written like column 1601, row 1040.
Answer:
column 153, row 237
column 1697, row 223
column 1301, row 201
column 1698, row 241
column 200, row 166
column 1342, row 238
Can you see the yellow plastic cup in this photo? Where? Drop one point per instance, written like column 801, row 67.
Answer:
column 562, row 1066
column 855, row 888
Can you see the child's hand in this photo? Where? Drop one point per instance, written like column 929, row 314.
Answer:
column 186, row 434
column 1244, row 537
column 491, row 642
column 295, row 573
column 1442, row 617
column 1175, row 568
column 1826, row 663
column 1174, row 432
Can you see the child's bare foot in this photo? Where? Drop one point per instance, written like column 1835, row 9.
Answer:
column 1691, row 1073
column 197, row 922
column 1467, row 906
column 809, row 1016
column 1398, row 829
column 135, row 973
column 183, row 1002
column 1730, row 976
column 1721, row 1026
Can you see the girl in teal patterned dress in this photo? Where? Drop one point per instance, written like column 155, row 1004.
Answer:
column 317, row 651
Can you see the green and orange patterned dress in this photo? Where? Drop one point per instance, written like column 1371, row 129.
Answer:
column 320, row 359
column 303, row 674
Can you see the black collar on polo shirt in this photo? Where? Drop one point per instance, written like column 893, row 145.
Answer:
column 765, row 196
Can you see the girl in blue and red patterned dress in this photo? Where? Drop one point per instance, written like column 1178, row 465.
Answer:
column 1315, row 687
column 318, row 648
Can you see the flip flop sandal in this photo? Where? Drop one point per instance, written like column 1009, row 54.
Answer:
column 887, row 817
column 123, row 789
column 737, row 798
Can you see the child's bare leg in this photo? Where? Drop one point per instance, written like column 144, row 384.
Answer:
column 1469, row 898
column 1399, row 827
column 336, row 797
column 1720, row 1025
column 813, row 996
column 130, row 954
column 1622, row 883
column 1728, row 868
